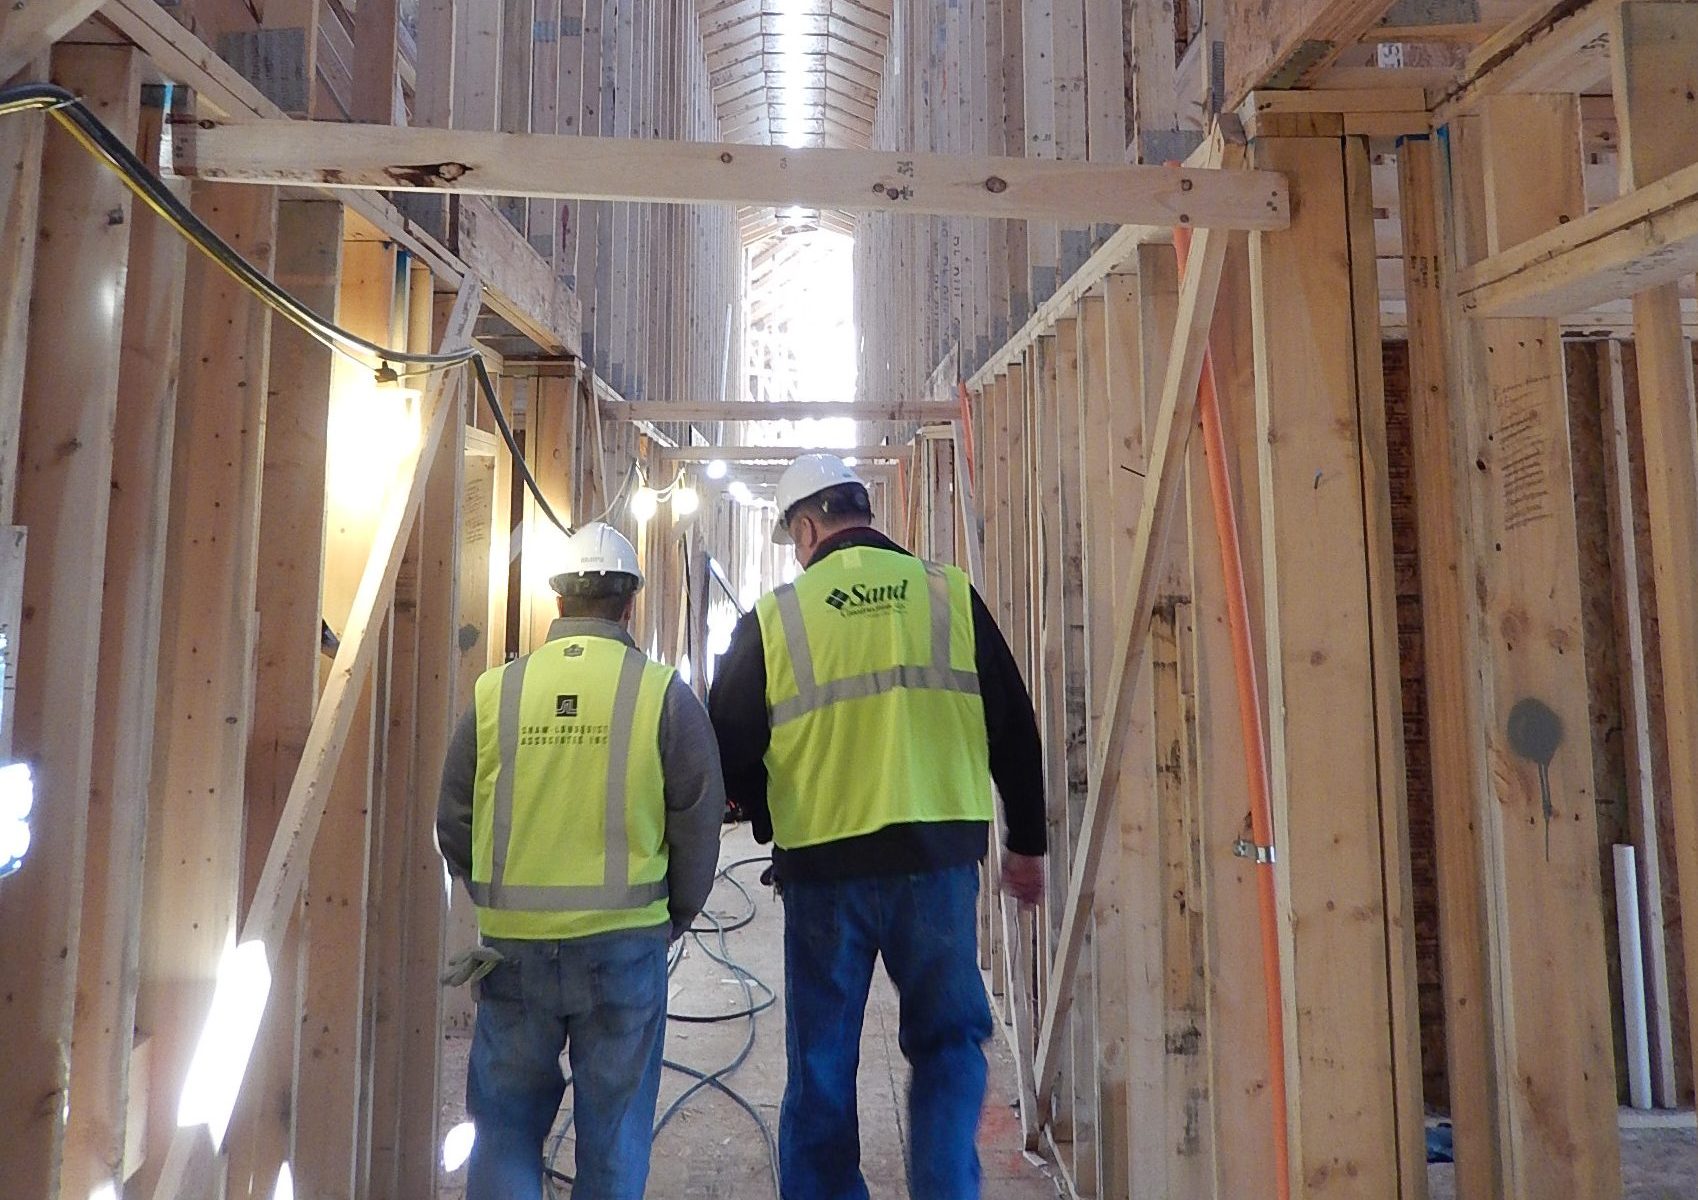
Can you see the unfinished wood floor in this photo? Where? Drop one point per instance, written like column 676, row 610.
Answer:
column 712, row 1150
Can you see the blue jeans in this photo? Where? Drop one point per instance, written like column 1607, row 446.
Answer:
column 924, row 926
column 603, row 999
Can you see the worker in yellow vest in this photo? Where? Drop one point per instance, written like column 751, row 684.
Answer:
column 864, row 712
column 581, row 805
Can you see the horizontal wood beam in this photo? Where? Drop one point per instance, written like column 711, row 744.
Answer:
column 765, row 474
column 1646, row 238
column 730, row 454
column 921, row 411
column 324, row 154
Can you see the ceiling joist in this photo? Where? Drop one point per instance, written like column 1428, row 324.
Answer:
column 655, row 170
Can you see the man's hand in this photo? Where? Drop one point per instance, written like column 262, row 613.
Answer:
column 1023, row 876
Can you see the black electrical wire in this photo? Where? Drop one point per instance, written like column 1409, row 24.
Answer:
column 94, row 136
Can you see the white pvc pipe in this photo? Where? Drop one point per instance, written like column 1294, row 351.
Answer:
column 1632, row 977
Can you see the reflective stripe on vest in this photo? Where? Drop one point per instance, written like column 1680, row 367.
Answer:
column 811, row 696
column 616, row 891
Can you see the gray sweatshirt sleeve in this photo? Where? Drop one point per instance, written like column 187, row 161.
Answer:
column 695, row 802
column 454, row 801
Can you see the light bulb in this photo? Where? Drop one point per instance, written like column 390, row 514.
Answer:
column 739, row 491
column 851, row 461
column 716, row 469
column 685, row 501
column 645, row 502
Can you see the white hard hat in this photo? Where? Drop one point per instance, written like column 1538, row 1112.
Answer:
column 597, row 549
column 809, row 475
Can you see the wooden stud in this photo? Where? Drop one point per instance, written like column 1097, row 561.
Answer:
column 1646, row 793
column 20, row 199
column 1336, row 940
column 64, row 475
column 124, row 735
column 1103, row 529
column 377, row 48
column 1440, row 479
column 1551, row 1021
column 331, row 1132
column 288, row 654
column 194, row 859
column 1240, row 1106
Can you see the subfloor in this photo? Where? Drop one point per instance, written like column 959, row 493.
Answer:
column 712, row 1149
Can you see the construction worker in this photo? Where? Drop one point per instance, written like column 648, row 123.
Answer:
column 863, row 713
column 581, row 805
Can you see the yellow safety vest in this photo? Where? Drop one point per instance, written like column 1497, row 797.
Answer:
column 873, row 693
column 569, row 807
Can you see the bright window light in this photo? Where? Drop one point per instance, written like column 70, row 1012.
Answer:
column 645, row 502
column 457, row 1146
column 17, row 798
column 716, row 469
column 793, row 71
column 685, row 501
column 686, row 672
column 106, row 1191
column 221, row 1057
column 285, row 1189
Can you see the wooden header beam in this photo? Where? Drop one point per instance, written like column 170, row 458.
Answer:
column 324, row 154
column 697, row 454
column 903, row 412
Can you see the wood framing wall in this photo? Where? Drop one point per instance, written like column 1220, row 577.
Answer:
column 1451, row 490
column 246, row 589
column 217, row 498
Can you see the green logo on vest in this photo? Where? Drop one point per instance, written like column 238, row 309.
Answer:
column 861, row 600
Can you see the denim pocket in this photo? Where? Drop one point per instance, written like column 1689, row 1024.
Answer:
column 504, row 985
column 630, row 979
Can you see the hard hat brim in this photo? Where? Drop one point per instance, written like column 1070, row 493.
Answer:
column 781, row 533
column 558, row 583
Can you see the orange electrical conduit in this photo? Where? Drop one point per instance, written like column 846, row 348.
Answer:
column 1255, row 737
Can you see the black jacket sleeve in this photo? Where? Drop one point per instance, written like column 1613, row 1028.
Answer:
column 1016, row 754
column 737, row 705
